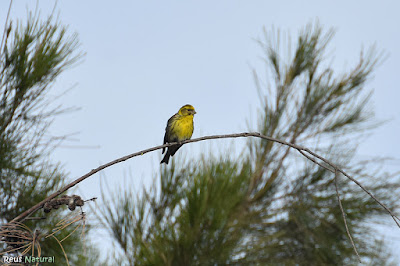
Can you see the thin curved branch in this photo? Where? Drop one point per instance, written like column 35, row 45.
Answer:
column 344, row 216
column 301, row 149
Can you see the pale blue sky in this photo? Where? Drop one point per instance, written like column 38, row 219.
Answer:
column 145, row 59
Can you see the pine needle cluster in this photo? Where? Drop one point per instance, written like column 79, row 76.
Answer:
column 33, row 54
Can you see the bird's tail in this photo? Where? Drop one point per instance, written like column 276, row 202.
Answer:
column 166, row 158
column 170, row 152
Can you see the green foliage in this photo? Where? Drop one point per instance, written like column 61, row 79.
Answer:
column 270, row 206
column 34, row 55
column 189, row 216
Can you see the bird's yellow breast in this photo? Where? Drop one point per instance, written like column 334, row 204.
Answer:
column 183, row 127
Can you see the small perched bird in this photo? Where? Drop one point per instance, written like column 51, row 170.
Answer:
column 179, row 128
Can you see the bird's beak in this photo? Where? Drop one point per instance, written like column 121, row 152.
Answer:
column 194, row 112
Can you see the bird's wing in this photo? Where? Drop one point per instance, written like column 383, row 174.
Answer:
column 165, row 141
column 167, row 135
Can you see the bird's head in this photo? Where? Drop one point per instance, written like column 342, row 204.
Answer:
column 187, row 110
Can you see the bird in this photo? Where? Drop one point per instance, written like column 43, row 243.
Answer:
column 179, row 128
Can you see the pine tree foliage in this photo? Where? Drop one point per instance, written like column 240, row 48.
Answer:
column 270, row 206
column 34, row 54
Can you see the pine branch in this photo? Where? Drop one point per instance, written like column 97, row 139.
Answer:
column 304, row 151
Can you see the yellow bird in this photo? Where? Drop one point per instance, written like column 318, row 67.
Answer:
column 179, row 128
